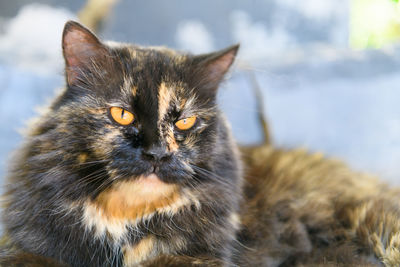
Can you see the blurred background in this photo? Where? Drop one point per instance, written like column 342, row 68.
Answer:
column 329, row 71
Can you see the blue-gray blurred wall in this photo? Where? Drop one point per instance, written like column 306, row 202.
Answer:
column 317, row 92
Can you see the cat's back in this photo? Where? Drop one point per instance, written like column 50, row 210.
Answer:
column 302, row 208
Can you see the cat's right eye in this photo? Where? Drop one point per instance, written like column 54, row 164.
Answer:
column 122, row 116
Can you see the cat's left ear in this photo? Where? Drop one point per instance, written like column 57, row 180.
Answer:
column 211, row 68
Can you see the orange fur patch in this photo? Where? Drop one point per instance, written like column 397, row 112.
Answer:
column 129, row 202
column 82, row 157
column 134, row 90
column 183, row 103
column 135, row 199
column 164, row 98
column 140, row 252
column 97, row 111
column 170, row 138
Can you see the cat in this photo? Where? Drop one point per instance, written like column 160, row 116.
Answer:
column 133, row 164
column 131, row 161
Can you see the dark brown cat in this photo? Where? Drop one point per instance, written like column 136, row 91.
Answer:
column 133, row 160
column 134, row 165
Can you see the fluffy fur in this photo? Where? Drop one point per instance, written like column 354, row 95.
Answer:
column 302, row 209
column 87, row 191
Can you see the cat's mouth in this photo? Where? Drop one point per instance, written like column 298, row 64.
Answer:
column 167, row 173
column 152, row 172
column 154, row 169
column 174, row 171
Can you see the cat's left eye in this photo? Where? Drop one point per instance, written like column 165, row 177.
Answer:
column 186, row 123
column 122, row 116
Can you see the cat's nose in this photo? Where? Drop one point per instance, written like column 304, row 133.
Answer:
column 156, row 154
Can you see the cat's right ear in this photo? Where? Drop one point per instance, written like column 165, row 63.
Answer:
column 80, row 49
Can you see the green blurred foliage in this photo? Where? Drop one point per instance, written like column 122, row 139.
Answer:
column 374, row 23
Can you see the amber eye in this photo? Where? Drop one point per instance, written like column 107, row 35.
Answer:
column 186, row 123
column 122, row 116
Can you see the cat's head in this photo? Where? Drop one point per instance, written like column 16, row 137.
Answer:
column 139, row 111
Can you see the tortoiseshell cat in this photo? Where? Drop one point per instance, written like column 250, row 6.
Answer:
column 134, row 165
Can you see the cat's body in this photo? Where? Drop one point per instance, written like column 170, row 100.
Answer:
column 133, row 164
column 303, row 209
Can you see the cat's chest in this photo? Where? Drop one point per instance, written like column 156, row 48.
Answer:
column 122, row 215
column 137, row 199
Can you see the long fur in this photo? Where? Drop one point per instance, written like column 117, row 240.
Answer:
column 84, row 190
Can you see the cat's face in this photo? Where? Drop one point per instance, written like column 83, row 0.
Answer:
column 140, row 111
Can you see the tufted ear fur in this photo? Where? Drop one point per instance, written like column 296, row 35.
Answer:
column 80, row 49
column 211, row 68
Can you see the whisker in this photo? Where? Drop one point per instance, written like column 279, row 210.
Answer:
column 213, row 176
